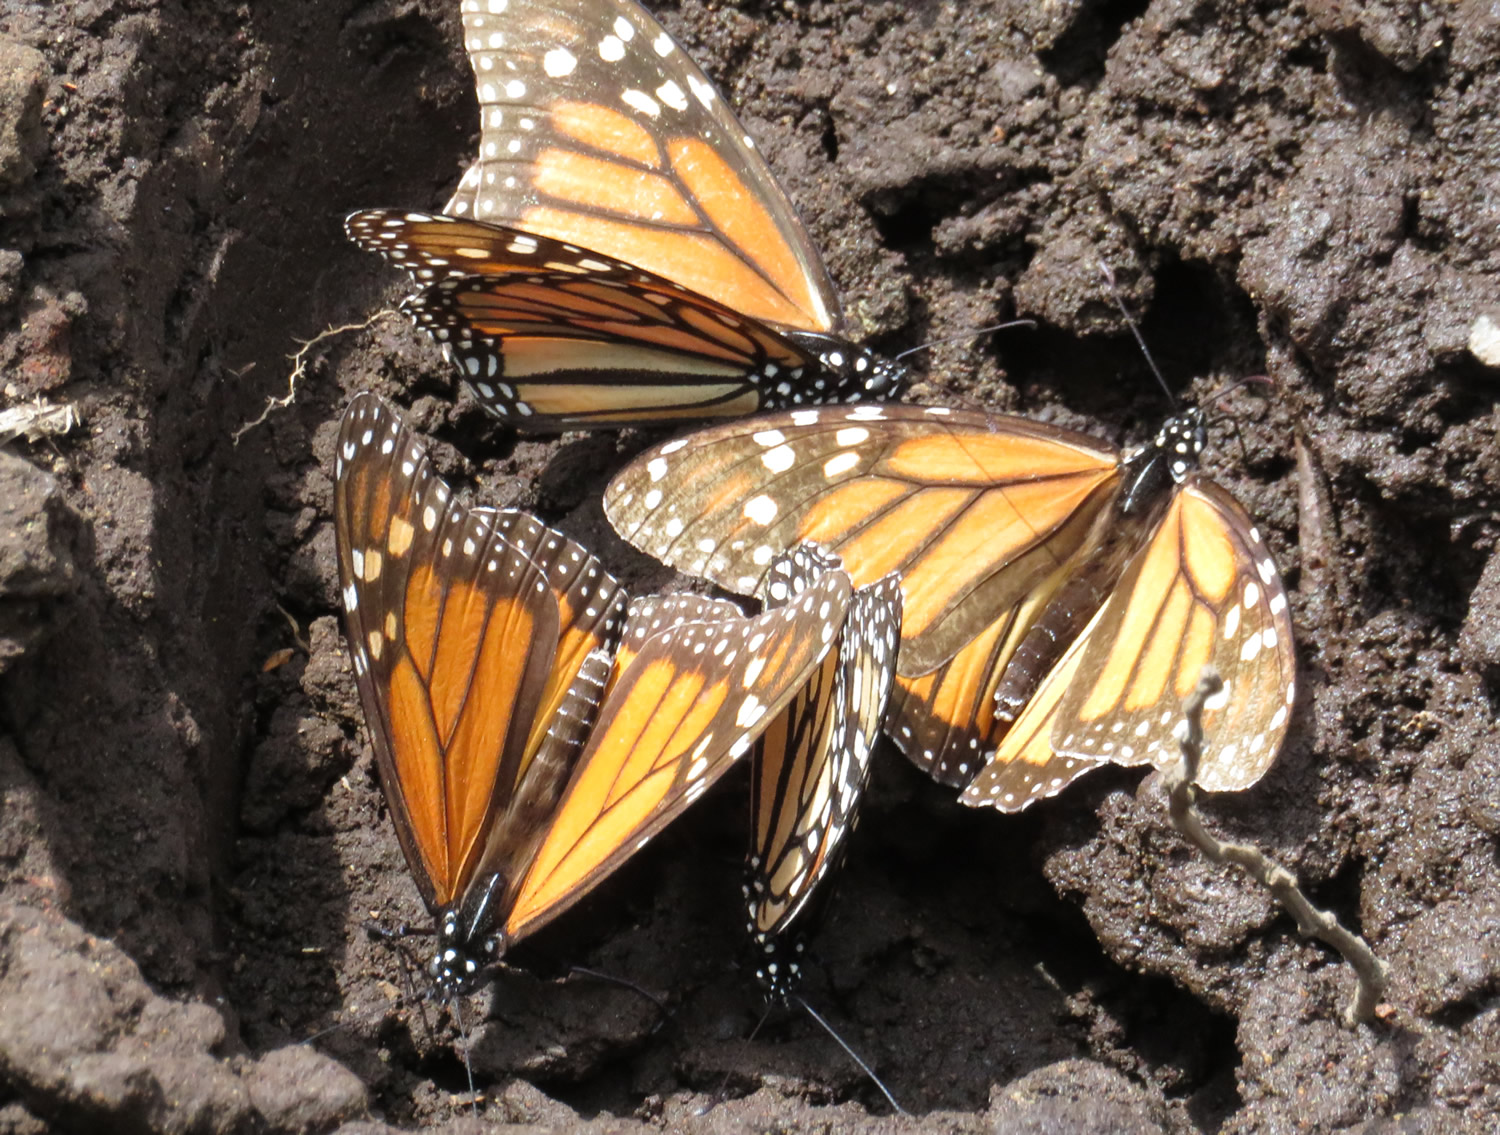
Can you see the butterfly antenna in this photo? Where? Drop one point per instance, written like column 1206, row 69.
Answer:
column 854, row 1056
column 719, row 1096
column 1114, row 290
column 626, row 983
column 1239, row 435
column 1248, row 380
column 1031, row 323
column 321, row 1033
column 455, row 1006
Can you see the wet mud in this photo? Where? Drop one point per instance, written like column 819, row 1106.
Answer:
column 192, row 842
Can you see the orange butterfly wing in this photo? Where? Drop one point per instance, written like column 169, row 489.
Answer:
column 944, row 721
column 468, row 629
column 1023, row 767
column 690, row 700
column 649, row 615
column 1202, row 591
column 597, row 129
column 976, row 513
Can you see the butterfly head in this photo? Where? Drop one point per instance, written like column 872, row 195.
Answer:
column 778, row 964
column 885, row 378
column 460, row 958
column 1181, row 441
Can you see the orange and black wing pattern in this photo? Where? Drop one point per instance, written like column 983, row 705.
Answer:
column 598, row 130
column 470, row 630
column 1011, row 538
column 945, row 721
column 811, row 767
column 1203, row 591
column 550, row 336
column 686, row 700
column 975, row 513
column 619, row 254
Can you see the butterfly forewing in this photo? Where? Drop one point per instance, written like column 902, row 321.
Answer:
column 597, row 129
column 558, row 352
column 975, row 513
column 691, row 701
column 462, row 624
column 422, row 629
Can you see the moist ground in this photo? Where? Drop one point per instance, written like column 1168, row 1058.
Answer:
column 192, row 841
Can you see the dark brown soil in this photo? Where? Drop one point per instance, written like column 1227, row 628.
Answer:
column 192, row 843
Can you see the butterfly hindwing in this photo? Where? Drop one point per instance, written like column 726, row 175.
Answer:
column 518, row 830
column 1023, row 766
column 813, row 762
column 468, row 628
column 1203, row 591
column 944, row 721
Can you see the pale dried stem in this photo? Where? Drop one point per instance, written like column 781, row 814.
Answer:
column 1313, row 923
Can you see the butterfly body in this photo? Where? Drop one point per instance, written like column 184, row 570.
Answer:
column 619, row 254
column 1086, row 587
column 1148, row 477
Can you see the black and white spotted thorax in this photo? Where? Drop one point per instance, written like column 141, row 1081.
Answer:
column 1167, row 460
column 460, row 960
column 1181, row 441
column 849, row 373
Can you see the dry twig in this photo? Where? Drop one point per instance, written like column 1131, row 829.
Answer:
column 1312, row 922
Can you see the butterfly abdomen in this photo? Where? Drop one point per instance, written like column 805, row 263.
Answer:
column 1062, row 620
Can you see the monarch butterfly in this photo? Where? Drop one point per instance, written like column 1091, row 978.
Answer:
column 1060, row 597
column 619, row 253
column 810, row 768
column 530, row 735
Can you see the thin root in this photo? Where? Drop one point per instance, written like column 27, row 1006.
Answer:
column 299, row 369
